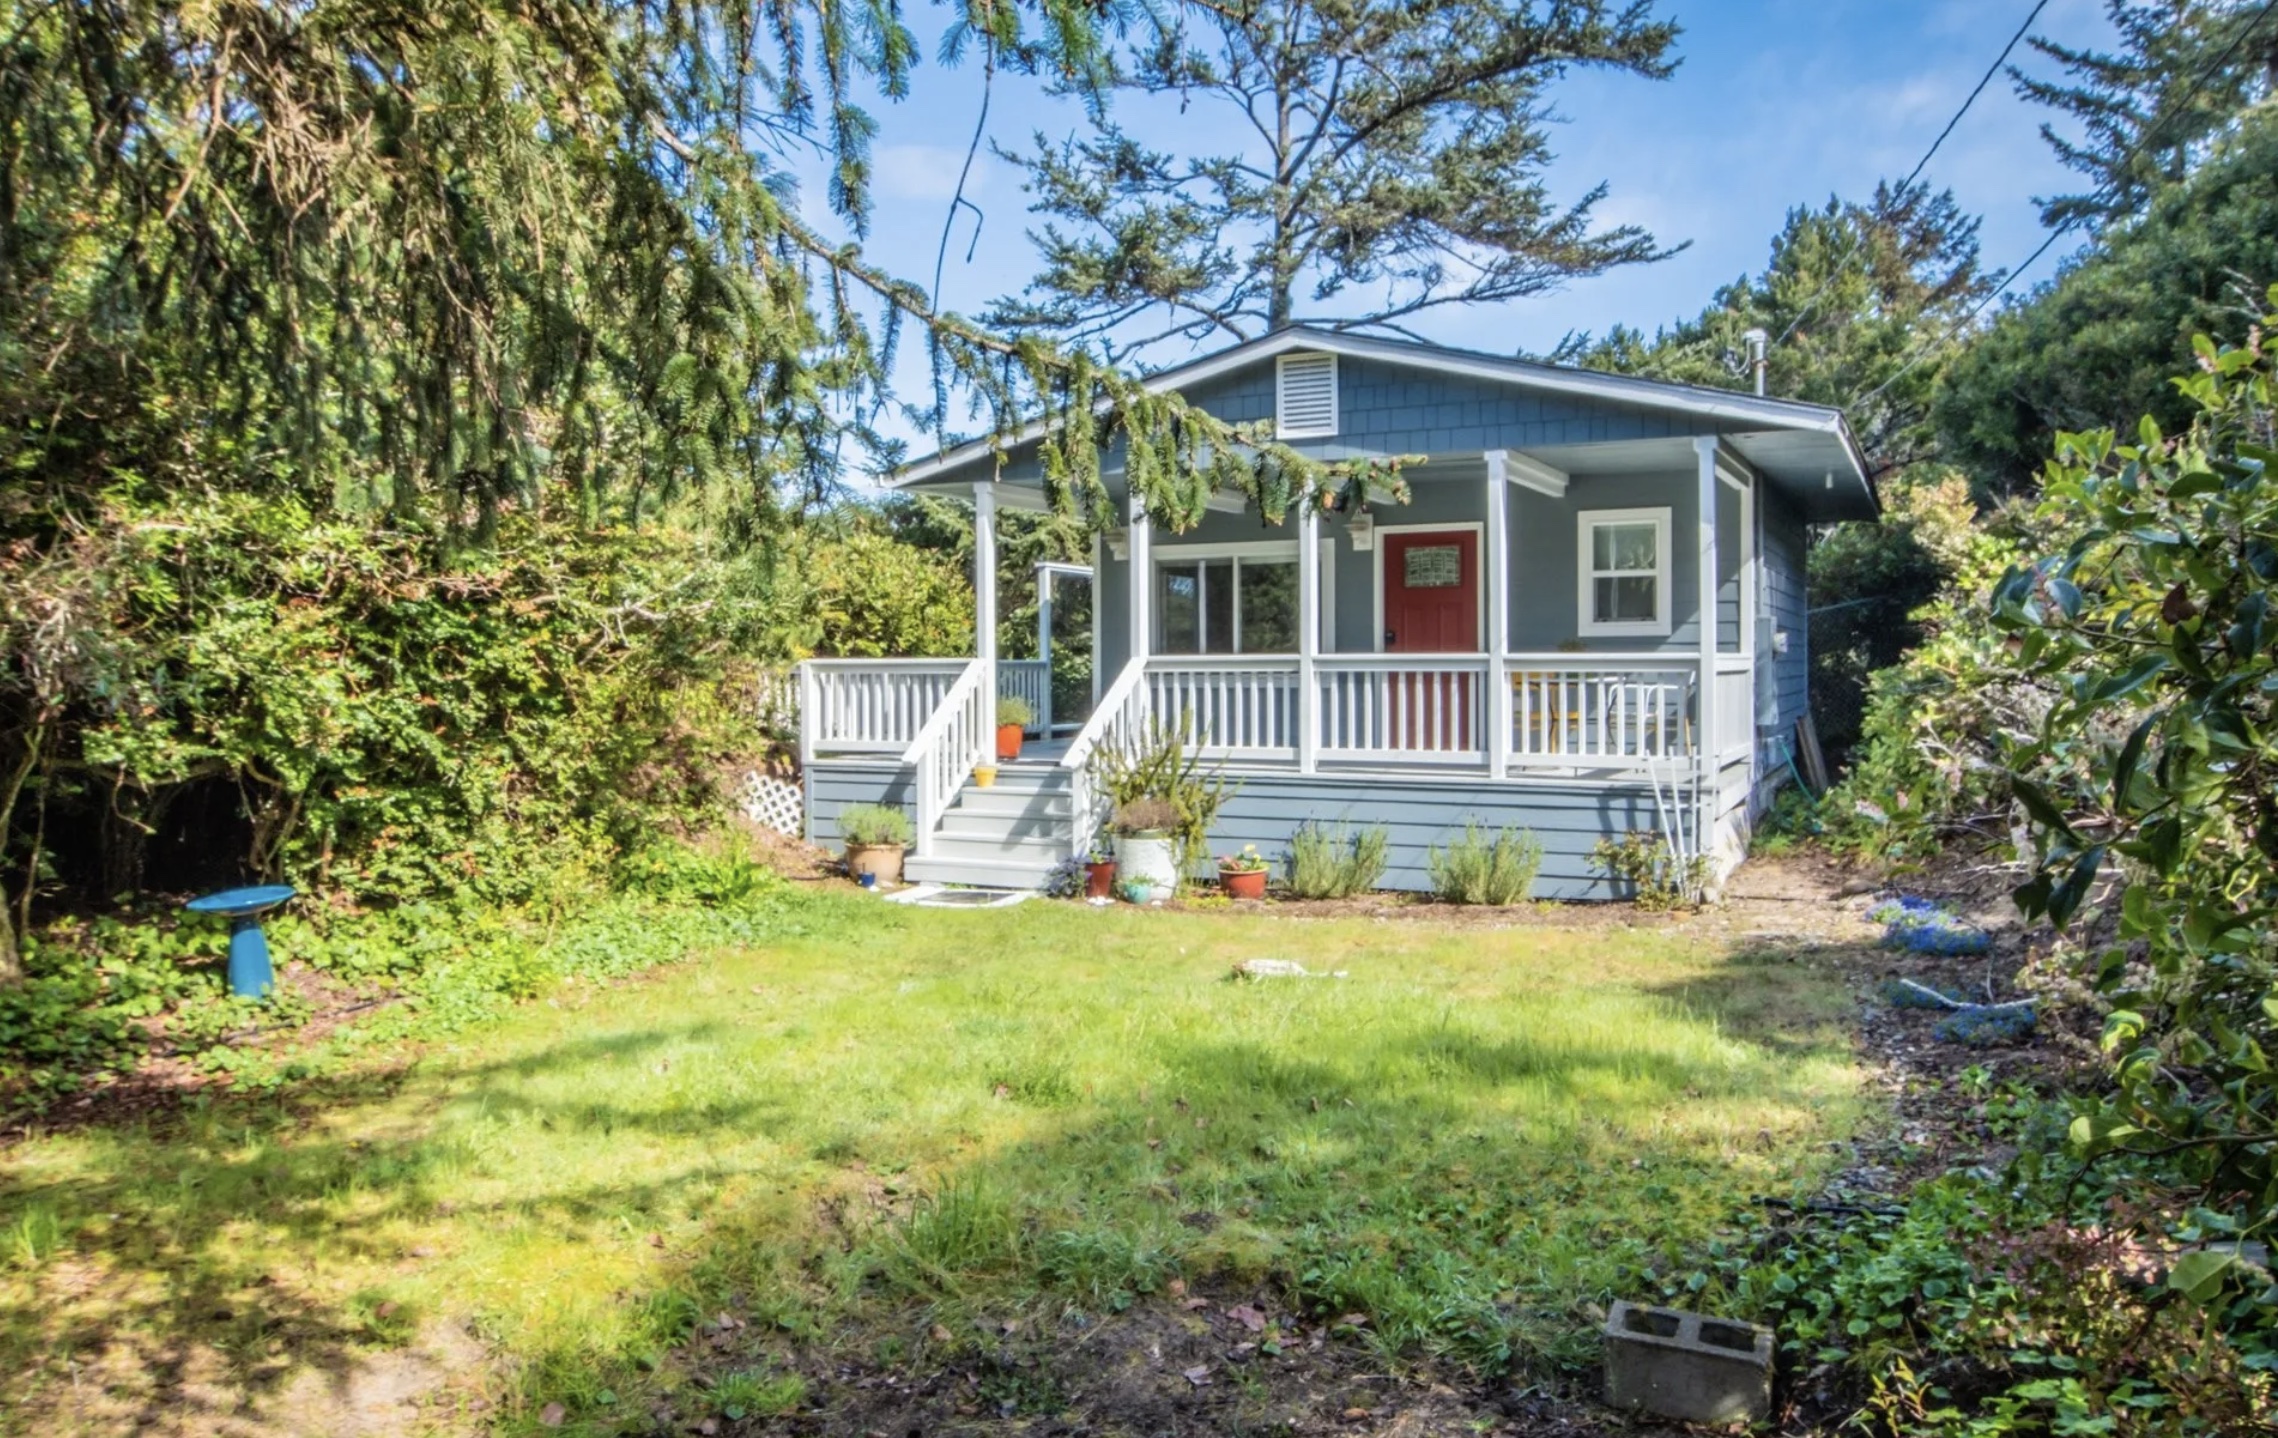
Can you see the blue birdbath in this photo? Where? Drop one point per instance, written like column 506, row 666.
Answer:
column 250, row 976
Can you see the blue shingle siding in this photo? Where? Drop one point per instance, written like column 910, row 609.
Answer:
column 1417, row 814
column 1385, row 409
column 1787, row 596
column 835, row 785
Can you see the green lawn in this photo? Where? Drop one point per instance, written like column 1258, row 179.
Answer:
column 1471, row 1138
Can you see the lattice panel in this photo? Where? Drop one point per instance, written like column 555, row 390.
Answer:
column 774, row 803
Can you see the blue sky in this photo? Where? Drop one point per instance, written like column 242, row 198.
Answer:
column 1776, row 103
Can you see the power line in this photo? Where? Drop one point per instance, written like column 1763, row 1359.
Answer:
column 1919, row 166
column 2143, row 141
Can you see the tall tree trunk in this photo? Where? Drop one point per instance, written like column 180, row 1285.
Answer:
column 11, row 947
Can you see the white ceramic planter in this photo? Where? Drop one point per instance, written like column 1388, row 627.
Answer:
column 1147, row 861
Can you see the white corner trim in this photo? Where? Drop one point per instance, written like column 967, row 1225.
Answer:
column 1585, row 588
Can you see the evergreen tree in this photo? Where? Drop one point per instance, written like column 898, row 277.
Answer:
column 2100, row 345
column 1385, row 159
column 1848, row 296
column 2181, row 76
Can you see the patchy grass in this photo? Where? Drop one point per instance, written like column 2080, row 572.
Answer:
column 1470, row 1139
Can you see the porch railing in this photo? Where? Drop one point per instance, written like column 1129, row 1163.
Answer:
column 870, row 706
column 1424, row 708
column 1568, row 713
column 1599, row 710
column 951, row 743
column 1029, row 680
column 1236, row 707
column 1121, row 713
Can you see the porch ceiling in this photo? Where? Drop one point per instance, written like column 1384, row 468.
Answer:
column 1799, row 463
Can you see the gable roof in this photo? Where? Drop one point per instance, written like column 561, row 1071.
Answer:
column 1808, row 446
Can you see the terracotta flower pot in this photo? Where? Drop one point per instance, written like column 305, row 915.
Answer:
column 884, row 861
column 1243, row 883
column 1099, row 879
column 1008, row 741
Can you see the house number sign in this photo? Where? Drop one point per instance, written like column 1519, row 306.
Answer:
column 1434, row 566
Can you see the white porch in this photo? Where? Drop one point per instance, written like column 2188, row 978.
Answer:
column 1679, row 725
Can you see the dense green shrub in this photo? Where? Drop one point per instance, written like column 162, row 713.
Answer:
column 2155, row 631
column 1483, row 869
column 1337, row 863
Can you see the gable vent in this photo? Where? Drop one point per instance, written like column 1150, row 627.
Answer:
column 1305, row 401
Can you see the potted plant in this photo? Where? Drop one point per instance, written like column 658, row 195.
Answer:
column 876, row 835
column 1243, row 875
column 1099, row 873
column 1013, row 718
column 1146, row 852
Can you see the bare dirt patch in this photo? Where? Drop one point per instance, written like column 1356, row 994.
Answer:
column 1170, row 1364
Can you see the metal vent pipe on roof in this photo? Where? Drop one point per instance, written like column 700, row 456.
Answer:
column 1757, row 361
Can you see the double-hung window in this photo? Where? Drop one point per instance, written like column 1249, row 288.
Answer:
column 1623, row 560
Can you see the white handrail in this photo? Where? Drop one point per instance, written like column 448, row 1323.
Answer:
column 1121, row 710
column 948, row 747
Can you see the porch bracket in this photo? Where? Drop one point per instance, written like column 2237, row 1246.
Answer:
column 1525, row 469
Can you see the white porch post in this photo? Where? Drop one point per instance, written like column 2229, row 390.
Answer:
column 1044, row 645
column 1706, row 738
column 1139, row 577
column 985, row 586
column 1308, row 631
column 1498, row 707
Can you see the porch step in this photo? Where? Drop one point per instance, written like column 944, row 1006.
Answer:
column 981, row 873
column 1001, row 802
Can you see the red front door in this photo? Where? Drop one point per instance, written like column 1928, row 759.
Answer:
column 1431, row 606
column 1431, row 592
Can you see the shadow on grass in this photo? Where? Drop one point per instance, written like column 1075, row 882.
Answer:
column 1469, row 1190
column 146, row 1271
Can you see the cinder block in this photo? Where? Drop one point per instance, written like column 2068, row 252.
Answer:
column 1685, row 1366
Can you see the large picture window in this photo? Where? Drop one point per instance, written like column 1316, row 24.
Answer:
column 1624, row 566
column 1238, row 604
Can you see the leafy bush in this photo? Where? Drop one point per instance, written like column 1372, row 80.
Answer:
column 875, row 824
column 1656, row 879
column 1478, row 870
column 1012, row 709
column 2156, row 633
column 1336, row 864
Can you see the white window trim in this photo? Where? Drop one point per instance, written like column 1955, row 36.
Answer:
column 1585, row 574
column 1272, row 551
column 1282, row 429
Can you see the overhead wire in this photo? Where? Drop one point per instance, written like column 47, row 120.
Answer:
column 2143, row 141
